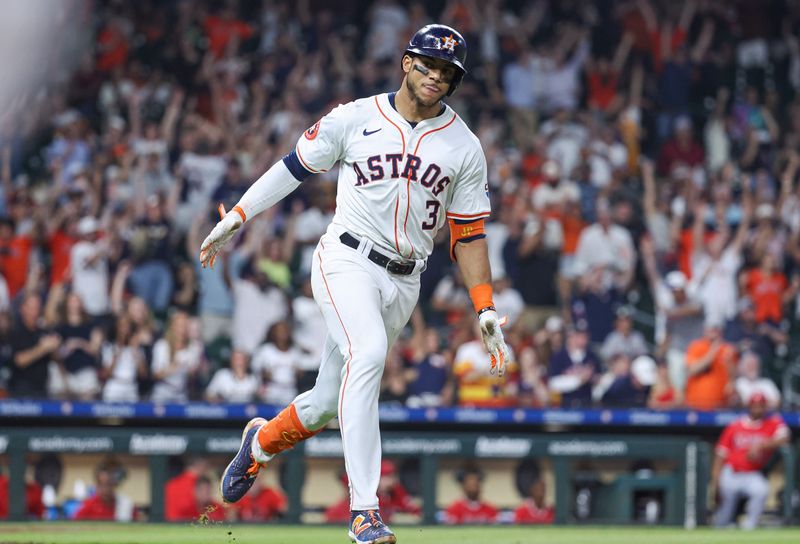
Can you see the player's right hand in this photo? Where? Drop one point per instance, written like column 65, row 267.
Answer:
column 493, row 340
column 219, row 236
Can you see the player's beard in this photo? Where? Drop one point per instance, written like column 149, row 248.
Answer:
column 419, row 99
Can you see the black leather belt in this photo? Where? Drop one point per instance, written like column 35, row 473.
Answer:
column 393, row 266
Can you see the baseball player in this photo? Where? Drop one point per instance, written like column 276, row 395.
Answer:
column 742, row 451
column 408, row 165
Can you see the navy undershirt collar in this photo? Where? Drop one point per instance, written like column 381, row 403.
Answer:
column 412, row 123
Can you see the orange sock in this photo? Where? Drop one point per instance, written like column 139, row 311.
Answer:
column 283, row 432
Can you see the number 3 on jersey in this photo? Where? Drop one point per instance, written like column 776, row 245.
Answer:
column 433, row 214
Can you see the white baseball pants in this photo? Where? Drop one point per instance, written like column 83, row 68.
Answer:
column 734, row 485
column 364, row 308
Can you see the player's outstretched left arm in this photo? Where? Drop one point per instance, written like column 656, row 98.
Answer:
column 268, row 190
column 473, row 261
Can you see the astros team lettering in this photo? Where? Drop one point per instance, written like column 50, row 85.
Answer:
column 430, row 178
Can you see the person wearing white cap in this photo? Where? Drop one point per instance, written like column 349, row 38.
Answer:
column 631, row 384
column 89, row 268
column 679, row 315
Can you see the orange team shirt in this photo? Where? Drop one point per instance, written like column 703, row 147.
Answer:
column 14, row 256
column 706, row 391
column 572, row 227
column 685, row 248
column 220, row 32
column 60, row 245
column 766, row 292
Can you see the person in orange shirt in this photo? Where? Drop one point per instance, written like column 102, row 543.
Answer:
column 14, row 256
column 709, row 363
column 768, row 289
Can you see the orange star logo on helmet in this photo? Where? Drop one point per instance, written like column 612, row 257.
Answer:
column 449, row 43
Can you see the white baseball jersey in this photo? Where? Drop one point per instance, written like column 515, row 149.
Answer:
column 397, row 183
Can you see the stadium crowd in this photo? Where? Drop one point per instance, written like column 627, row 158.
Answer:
column 643, row 166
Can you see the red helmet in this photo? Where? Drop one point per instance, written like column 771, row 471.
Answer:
column 757, row 398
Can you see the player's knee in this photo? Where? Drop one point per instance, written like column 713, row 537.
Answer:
column 371, row 355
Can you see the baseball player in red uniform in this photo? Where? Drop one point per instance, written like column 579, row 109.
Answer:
column 471, row 509
column 742, row 451
column 408, row 165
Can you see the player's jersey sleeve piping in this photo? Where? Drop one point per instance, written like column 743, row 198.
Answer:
column 292, row 162
column 469, row 217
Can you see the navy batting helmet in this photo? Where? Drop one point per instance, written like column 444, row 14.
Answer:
column 441, row 42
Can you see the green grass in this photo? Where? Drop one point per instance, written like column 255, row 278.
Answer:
column 98, row 533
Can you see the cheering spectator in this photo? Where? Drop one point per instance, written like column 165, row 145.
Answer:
column 709, row 361
column 308, row 327
column 89, row 268
column 176, row 359
column 623, row 339
column 715, row 265
column 471, row 509
column 768, row 289
column 476, row 385
column 78, row 356
column 663, row 394
column 607, row 246
column 429, row 384
column 573, row 370
column 749, row 381
column 747, row 335
column 151, row 278
column 214, row 300
column 32, row 348
column 631, row 383
column 234, row 384
column 124, row 363
column 258, row 303
column 679, row 315
column 595, row 303
column 15, row 253
column 278, row 363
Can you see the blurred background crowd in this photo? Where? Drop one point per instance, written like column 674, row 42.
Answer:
column 643, row 164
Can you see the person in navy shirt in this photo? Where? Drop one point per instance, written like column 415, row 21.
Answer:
column 573, row 370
